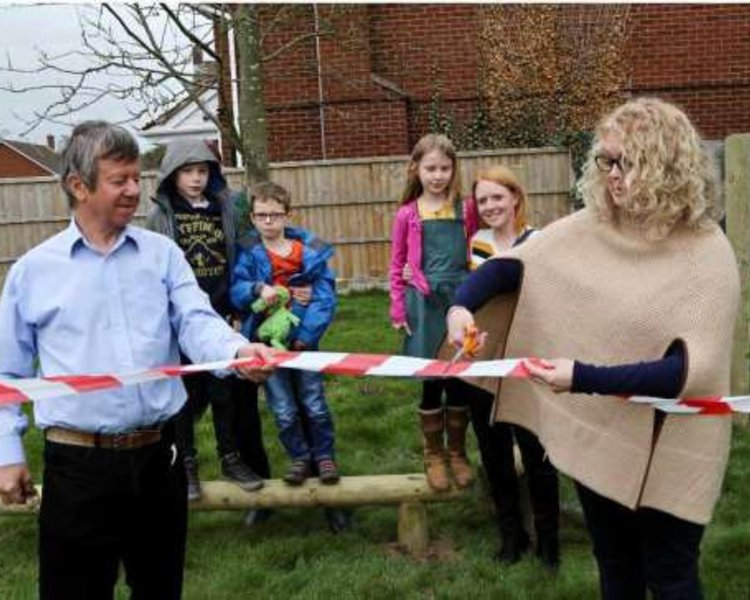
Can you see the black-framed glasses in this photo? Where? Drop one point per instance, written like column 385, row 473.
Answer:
column 269, row 216
column 605, row 163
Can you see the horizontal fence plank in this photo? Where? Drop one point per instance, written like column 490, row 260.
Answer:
column 350, row 202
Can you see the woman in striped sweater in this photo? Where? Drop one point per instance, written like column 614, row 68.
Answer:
column 501, row 203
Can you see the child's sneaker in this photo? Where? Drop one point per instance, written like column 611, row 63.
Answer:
column 235, row 470
column 328, row 472
column 193, row 483
column 339, row 519
column 297, row 473
column 256, row 516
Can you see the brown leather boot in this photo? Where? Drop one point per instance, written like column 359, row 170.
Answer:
column 434, row 449
column 456, row 422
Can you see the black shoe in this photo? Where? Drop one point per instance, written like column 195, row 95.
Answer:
column 297, row 472
column 338, row 519
column 548, row 550
column 513, row 547
column 256, row 516
column 328, row 472
column 193, row 483
column 238, row 472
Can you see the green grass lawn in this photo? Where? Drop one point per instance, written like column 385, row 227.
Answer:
column 293, row 555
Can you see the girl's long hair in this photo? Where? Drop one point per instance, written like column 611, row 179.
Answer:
column 426, row 144
column 507, row 178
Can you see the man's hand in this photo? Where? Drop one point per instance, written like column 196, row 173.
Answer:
column 263, row 353
column 269, row 294
column 302, row 294
column 556, row 373
column 16, row 486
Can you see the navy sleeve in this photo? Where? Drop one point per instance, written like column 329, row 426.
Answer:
column 661, row 378
column 496, row 276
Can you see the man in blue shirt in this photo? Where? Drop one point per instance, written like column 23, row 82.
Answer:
column 103, row 296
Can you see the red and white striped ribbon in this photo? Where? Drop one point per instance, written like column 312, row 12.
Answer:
column 16, row 391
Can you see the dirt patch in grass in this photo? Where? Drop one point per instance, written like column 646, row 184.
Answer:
column 441, row 550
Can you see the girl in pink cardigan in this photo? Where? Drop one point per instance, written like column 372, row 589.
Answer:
column 429, row 259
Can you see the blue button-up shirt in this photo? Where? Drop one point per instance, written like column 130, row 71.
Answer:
column 68, row 308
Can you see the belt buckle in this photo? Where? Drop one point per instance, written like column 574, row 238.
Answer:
column 120, row 441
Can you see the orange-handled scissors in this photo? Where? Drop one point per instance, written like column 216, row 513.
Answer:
column 468, row 348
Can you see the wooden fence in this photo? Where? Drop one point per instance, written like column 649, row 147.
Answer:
column 352, row 203
column 349, row 202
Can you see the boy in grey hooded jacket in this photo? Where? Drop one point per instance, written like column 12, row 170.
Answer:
column 195, row 208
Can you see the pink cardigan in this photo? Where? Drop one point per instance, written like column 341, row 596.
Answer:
column 406, row 248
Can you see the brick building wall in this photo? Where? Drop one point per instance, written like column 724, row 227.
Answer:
column 697, row 56
column 430, row 52
column 426, row 57
column 335, row 112
column 13, row 164
column 361, row 117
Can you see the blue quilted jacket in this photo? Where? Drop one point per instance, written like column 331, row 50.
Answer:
column 253, row 268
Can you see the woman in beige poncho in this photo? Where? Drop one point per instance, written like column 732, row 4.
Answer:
column 641, row 288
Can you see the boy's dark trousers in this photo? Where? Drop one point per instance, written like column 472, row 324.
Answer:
column 104, row 507
column 248, row 427
column 204, row 389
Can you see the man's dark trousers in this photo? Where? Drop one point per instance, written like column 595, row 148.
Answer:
column 104, row 507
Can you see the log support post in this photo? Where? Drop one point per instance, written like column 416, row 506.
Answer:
column 412, row 528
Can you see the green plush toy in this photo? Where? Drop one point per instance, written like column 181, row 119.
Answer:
column 276, row 327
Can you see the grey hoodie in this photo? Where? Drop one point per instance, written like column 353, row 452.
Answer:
column 178, row 154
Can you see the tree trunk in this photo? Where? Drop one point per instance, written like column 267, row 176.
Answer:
column 230, row 140
column 252, row 109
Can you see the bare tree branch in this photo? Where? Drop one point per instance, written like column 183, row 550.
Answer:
column 125, row 27
column 280, row 16
column 141, row 54
column 189, row 34
column 290, row 44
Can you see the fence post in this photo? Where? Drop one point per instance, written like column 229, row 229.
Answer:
column 737, row 194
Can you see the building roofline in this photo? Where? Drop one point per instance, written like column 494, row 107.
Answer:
column 12, row 144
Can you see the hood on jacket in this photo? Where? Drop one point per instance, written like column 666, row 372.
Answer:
column 185, row 152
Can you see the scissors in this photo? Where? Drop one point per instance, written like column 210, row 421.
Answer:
column 468, row 348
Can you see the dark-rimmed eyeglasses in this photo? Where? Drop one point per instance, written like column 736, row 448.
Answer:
column 268, row 216
column 605, row 163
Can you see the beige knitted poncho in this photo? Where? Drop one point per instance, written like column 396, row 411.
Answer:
column 600, row 294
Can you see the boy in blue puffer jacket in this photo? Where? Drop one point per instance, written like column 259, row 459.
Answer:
column 276, row 254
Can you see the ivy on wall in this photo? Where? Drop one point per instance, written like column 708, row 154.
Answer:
column 550, row 71
column 547, row 74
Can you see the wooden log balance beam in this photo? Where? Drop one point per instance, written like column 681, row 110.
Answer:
column 410, row 492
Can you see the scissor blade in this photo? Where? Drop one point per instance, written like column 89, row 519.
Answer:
column 456, row 357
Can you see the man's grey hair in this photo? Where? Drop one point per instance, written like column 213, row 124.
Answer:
column 90, row 142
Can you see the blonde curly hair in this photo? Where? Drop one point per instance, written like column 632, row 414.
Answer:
column 671, row 179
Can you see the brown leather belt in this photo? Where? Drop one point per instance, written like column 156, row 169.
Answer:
column 110, row 441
